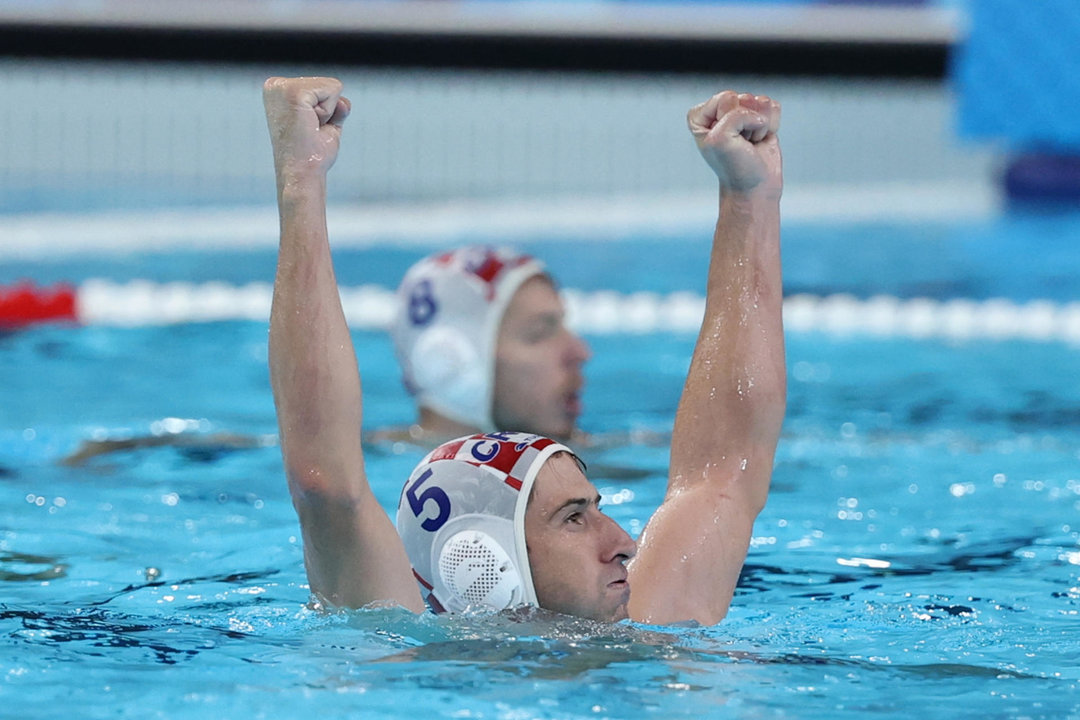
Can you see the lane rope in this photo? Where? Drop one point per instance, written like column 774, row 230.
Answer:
column 143, row 303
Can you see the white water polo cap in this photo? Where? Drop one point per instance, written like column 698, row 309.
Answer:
column 449, row 307
column 461, row 516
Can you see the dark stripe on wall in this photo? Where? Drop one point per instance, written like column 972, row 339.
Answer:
column 483, row 52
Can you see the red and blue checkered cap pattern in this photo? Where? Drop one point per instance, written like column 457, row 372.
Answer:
column 508, row 455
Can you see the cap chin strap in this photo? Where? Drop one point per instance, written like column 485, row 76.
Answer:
column 521, row 549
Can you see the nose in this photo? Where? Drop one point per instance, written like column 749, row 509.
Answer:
column 577, row 350
column 618, row 543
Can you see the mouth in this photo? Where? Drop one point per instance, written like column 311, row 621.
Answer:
column 621, row 584
column 573, row 404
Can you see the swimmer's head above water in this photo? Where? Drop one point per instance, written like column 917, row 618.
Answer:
column 480, row 337
column 504, row 519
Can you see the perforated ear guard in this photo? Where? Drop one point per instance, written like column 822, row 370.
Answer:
column 475, row 570
column 443, row 357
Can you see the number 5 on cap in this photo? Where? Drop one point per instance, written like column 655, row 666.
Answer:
column 417, row 502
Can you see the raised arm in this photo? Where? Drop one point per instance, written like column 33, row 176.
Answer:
column 728, row 421
column 352, row 552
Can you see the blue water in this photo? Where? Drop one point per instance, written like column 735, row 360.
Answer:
column 919, row 555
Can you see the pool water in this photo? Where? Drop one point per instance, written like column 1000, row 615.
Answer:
column 919, row 555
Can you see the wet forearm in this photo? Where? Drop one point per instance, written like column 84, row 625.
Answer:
column 312, row 364
column 733, row 401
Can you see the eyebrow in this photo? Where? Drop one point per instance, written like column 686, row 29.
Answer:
column 572, row 502
column 543, row 321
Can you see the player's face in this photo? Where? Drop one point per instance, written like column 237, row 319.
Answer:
column 577, row 553
column 538, row 361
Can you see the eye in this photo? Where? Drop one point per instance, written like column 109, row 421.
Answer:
column 543, row 328
column 575, row 518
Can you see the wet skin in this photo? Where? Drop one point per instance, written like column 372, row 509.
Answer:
column 577, row 553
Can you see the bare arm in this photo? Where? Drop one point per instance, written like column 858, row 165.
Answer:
column 728, row 421
column 352, row 552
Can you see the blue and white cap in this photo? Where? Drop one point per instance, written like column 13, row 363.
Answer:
column 461, row 517
column 449, row 307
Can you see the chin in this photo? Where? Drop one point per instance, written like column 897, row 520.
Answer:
column 620, row 614
column 556, row 431
column 562, row 435
column 615, row 614
column 563, row 430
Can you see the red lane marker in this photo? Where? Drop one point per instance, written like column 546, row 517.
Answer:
column 26, row 304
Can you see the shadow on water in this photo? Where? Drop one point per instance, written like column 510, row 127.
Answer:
column 92, row 629
column 240, row 578
column 984, row 557
column 100, row 633
column 24, row 567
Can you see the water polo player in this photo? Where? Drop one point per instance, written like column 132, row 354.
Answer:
column 460, row 541
column 480, row 336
